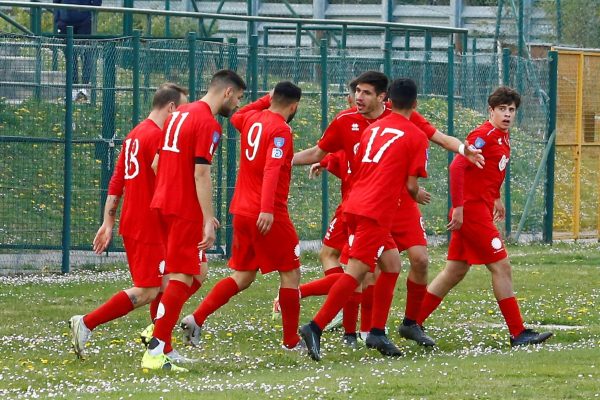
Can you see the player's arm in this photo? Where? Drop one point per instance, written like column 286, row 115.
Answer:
column 154, row 165
column 457, row 184
column 418, row 194
column 115, row 191
column 309, row 156
column 237, row 119
column 203, row 182
column 332, row 162
column 453, row 144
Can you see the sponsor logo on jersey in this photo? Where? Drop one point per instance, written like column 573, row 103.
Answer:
column 502, row 163
column 216, row 136
column 500, row 141
column 479, row 143
column 277, row 153
column 496, row 243
column 279, row 141
column 355, row 127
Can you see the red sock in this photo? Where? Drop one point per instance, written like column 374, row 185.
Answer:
column 339, row 294
column 319, row 287
column 196, row 284
column 382, row 298
column 115, row 307
column 414, row 297
column 366, row 309
column 351, row 313
column 154, row 306
column 512, row 315
column 173, row 298
column 216, row 298
column 428, row 306
column 289, row 300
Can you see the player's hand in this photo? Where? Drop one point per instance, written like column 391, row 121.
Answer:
column 315, row 170
column 209, row 236
column 216, row 223
column 499, row 210
column 102, row 238
column 423, row 197
column 264, row 222
column 457, row 219
column 474, row 155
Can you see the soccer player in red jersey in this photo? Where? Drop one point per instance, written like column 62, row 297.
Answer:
column 138, row 224
column 183, row 198
column 476, row 202
column 263, row 235
column 391, row 154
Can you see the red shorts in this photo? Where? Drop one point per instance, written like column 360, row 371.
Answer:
column 278, row 250
column 337, row 233
column 408, row 229
column 477, row 241
column 146, row 262
column 366, row 240
column 182, row 237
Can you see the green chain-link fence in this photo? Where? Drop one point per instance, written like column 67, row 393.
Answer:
column 118, row 78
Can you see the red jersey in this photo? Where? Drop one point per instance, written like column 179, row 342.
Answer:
column 134, row 173
column 267, row 149
column 191, row 136
column 481, row 184
column 389, row 151
column 337, row 164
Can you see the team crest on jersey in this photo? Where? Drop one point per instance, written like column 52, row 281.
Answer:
column 216, row 136
column 355, row 127
column 277, row 153
column 479, row 143
column 279, row 141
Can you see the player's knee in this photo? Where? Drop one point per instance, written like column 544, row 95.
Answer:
column 329, row 256
column 244, row 279
column 419, row 264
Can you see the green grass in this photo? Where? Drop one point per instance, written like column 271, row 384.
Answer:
column 241, row 356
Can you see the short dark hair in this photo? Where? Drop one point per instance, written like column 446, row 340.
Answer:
column 352, row 86
column 166, row 93
column 286, row 93
column 504, row 95
column 375, row 78
column 403, row 93
column 227, row 77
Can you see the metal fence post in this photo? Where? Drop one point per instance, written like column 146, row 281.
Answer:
column 297, row 53
column 507, row 197
column 135, row 118
column 549, row 187
column 231, row 155
column 473, row 80
column 450, row 116
column 167, row 19
column 68, row 166
column 427, row 66
column 103, row 151
column 35, row 19
column 37, row 90
column 253, row 65
column 128, row 18
column 387, row 53
column 191, row 38
column 324, row 123
column 265, row 71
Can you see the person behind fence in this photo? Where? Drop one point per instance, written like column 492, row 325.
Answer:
column 476, row 205
column 183, row 198
column 81, row 21
column 138, row 224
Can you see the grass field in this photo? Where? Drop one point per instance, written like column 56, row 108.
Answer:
column 241, row 355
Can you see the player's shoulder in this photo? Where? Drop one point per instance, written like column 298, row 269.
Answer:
column 483, row 133
column 347, row 115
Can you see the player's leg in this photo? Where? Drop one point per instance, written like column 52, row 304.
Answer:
column 503, row 291
column 382, row 301
column 366, row 304
column 289, row 299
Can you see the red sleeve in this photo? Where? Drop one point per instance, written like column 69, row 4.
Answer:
column 457, row 180
column 418, row 165
column 117, row 181
column 422, row 124
column 331, row 141
column 277, row 155
column 335, row 163
column 208, row 137
column 237, row 119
